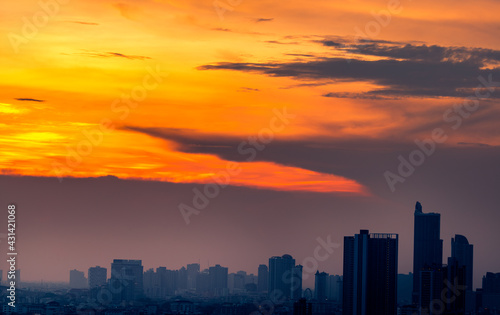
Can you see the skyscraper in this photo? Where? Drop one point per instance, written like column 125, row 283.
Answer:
column 370, row 274
column 431, row 284
column 218, row 280
column 126, row 279
column 97, row 276
column 263, row 278
column 464, row 253
column 491, row 290
column 320, row 285
column 77, row 279
column 192, row 273
column 280, row 274
column 427, row 245
column 334, row 287
column 296, row 283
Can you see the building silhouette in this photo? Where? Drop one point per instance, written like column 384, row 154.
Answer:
column 302, row 307
column 427, row 245
column 334, row 287
column 370, row 274
column 218, row 280
column 491, row 291
column 263, row 278
column 280, row 274
column 455, row 287
column 464, row 253
column 192, row 274
column 320, row 285
column 126, row 280
column 77, row 279
column 97, row 276
column 296, row 283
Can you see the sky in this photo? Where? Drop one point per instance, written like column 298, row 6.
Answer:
column 300, row 120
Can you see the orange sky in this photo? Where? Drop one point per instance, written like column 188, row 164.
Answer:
column 88, row 56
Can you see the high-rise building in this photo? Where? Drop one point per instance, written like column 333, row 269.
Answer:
column 320, row 285
column 405, row 289
column 464, row 253
column 97, row 276
column 263, row 278
column 455, row 287
column 491, row 291
column 427, row 245
column 302, row 307
column 203, row 283
column 192, row 274
column 218, row 280
column 370, row 274
column 296, row 283
column 431, row 284
column 77, row 279
column 280, row 274
column 334, row 287
column 126, row 279
column 182, row 279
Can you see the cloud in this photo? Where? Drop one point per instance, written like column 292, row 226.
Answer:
column 424, row 71
column 264, row 20
column 83, row 23
column 370, row 96
column 29, row 100
column 247, row 89
column 113, row 54
column 477, row 144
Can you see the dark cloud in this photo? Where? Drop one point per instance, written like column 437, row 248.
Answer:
column 281, row 42
column 264, row 20
column 248, row 89
column 332, row 43
column 300, row 55
column 427, row 77
column 362, row 159
column 29, row 100
column 370, row 96
column 220, row 29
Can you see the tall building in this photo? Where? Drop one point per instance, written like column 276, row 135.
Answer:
column 280, row 274
column 464, row 253
column 455, row 291
column 427, row 245
column 126, row 279
column 296, row 283
column 263, row 278
column 370, row 274
column 491, row 290
column 203, row 283
column 77, row 279
column 218, row 280
column 97, row 276
column 182, row 279
column 405, row 289
column 334, row 287
column 320, row 285
column 302, row 307
column 431, row 284
column 192, row 274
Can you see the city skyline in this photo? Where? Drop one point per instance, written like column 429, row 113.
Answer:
column 337, row 269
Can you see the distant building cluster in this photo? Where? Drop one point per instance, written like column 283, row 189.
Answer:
column 370, row 284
